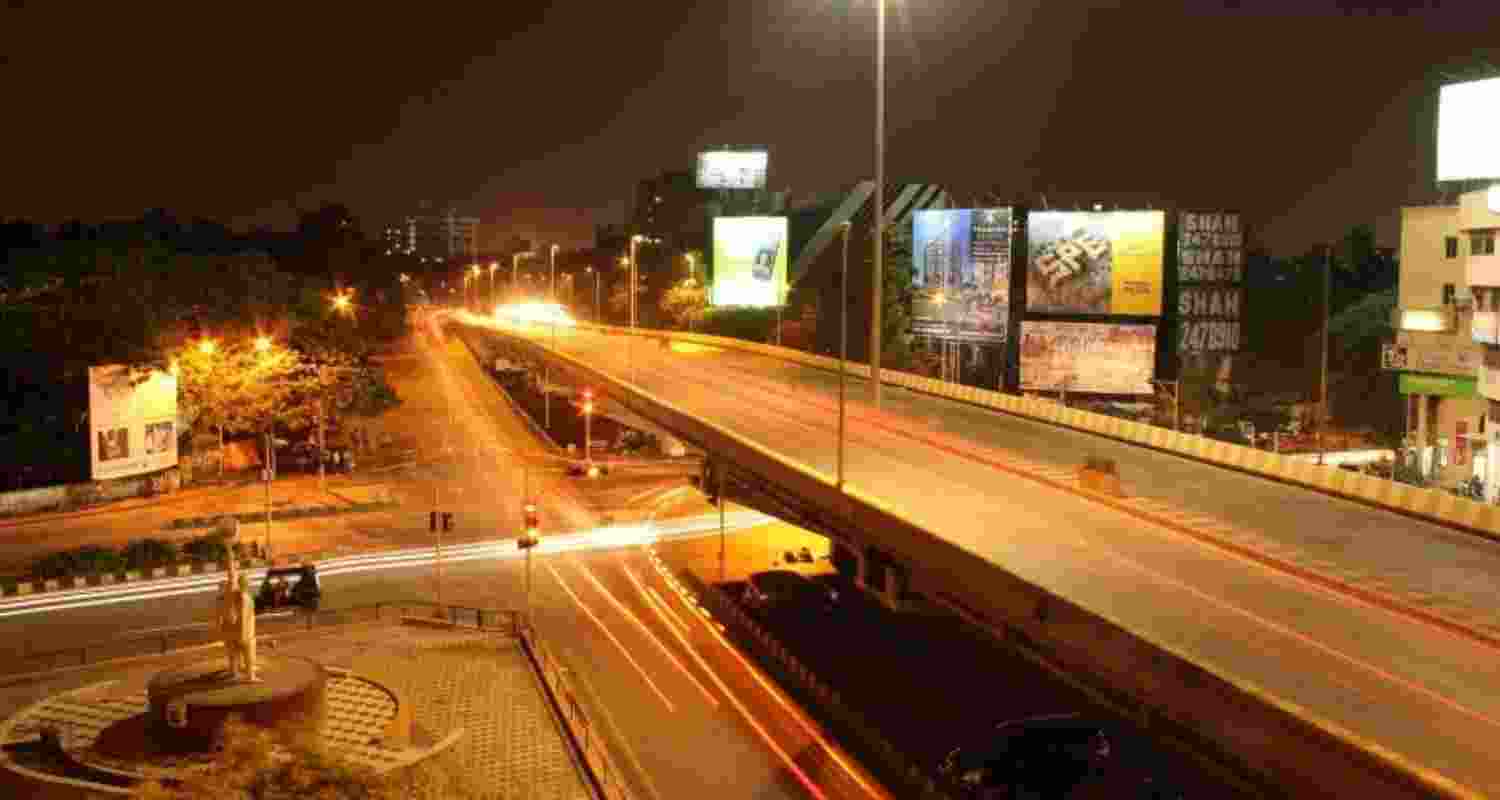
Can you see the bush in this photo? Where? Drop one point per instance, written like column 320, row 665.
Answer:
column 86, row 560
column 210, row 547
column 143, row 553
column 750, row 324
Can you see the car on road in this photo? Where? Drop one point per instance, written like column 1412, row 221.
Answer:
column 289, row 587
column 783, row 588
column 1058, row 756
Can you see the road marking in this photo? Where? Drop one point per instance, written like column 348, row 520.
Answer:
column 588, row 573
column 612, row 638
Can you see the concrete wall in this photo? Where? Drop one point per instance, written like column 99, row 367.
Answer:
column 79, row 495
column 1425, row 266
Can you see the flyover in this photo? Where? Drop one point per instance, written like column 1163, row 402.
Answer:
column 1325, row 690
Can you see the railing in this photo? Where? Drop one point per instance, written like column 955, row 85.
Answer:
column 591, row 744
column 167, row 640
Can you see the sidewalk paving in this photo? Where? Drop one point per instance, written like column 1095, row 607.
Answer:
column 483, row 683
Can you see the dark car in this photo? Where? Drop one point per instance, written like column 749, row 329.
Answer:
column 1059, row 756
column 289, row 587
column 782, row 588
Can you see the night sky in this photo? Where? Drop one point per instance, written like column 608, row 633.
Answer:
column 1308, row 115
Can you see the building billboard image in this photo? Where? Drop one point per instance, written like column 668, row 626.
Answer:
column 961, row 272
column 732, row 169
column 1102, row 262
column 132, row 426
column 1087, row 357
column 749, row 261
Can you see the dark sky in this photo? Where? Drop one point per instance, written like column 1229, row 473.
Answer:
column 1309, row 115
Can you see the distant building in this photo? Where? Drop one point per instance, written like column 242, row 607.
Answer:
column 446, row 236
column 1478, row 223
column 1434, row 354
column 671, row 207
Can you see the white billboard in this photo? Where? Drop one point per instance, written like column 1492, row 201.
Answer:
column 1468, row 130
column 132, row 427
column 749, row 261
column 1087, row 357
column 732, row 169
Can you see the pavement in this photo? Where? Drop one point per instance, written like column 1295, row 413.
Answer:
column 482, row 683
column 1417, row 689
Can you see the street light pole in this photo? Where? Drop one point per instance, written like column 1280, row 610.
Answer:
column 1323, row 368
column 843, row 346
column 877, row 216
column 552, row 267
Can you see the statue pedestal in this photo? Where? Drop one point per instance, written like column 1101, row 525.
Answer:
column 190, row 705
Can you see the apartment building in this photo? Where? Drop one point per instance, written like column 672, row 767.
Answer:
column 1478, row 225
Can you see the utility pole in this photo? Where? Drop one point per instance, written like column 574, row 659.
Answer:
column 843, row 347
column 1323, row 369
column 268, row 472
column 722, row 538
column 877, row 214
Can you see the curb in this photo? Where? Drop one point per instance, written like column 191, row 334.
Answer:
column 296, row 512
column 54, row 586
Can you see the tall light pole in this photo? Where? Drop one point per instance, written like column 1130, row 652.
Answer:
column 634, row 290
column 552, row 268
column 591, row 271
column 475, row 272
column 1323, row 367
column 515, row 262
column 493, row 266
column 877, row 216
column 843, row 345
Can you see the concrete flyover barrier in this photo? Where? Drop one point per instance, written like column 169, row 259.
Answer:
column 1198, row 704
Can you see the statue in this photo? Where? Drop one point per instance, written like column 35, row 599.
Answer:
column 237, row 618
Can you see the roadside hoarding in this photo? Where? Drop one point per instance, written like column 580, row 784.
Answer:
column 1468, row 127
column 1087, row 357
column 961, row 272
column 732, row 169
column 1210, row 276
column 1095, row 262
column 132, row 426
column 749, row 261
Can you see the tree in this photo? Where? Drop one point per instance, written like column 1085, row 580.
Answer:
column 685, row 303
column 895, row 313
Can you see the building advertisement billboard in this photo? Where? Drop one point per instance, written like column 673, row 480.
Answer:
column 1095, row 262
column 732, row 169
column 1468, row 127
column 749, row 261
column 1210, row 277
column 1087, row 357
column 961, row 272
column 132, row 427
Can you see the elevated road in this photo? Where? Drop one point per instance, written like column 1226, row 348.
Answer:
column 1421, row 695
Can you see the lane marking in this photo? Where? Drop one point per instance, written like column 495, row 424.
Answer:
column 588, row 573
column 612, row 638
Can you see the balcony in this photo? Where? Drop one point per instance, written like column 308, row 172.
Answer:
column 1484, row 328
column 1483, row 270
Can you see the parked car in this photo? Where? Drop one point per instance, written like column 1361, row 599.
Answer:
column 1058, row 756
column 279, row 591
column 782, row 588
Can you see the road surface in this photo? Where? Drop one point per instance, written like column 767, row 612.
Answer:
column 1429, row 695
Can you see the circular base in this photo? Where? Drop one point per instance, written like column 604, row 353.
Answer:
column 288, row 690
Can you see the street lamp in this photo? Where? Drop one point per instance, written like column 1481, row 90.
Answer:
column 592, row 271
column 843, row 346
column 877, row 216
column 515, row 261
column 262, row 344
column 588, row 438
column 207, row 346
column 493, row 266
column 635, row 242
column 474, row 273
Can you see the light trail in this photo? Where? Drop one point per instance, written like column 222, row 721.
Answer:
column 588, row 573
column 611, row 635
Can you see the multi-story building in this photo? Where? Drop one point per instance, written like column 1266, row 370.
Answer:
column 445, row 236
column 1437, row 361
column 672, row 208
column 1478, row 225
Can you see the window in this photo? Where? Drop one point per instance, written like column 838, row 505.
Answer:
column 1482, row 244
column 1450, row 247
column 1449, row 291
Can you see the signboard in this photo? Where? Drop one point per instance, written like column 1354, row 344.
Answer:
column 1468, row 127
column 1103, row 262
column 961, row 272
column 732, row 169
column 1094, row 357
column 1210, row 276
column 1431, row 352
column 132, row 428
column 1437, row 385
column 749, row 261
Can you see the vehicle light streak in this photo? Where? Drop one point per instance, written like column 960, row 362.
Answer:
column 620, row 607
column 607, row 632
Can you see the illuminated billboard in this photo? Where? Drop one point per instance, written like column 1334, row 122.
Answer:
column 1088, row 357
column 961, row 272
column 1095, row 262
column 1468, row 128
column 749, row 261
column 732, row 169
column 132, row 426
column 1210, row 281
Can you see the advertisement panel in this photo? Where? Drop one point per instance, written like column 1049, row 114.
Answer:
column 732, row 169
column 1468, row 127
column 1089, row 357
column 1210, row 275
column 1095, row 262
column 132, row 427
column 749, row 261
column 961, row 272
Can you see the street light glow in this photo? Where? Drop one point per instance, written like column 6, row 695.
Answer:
column 262, row 343
column 207, row 347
